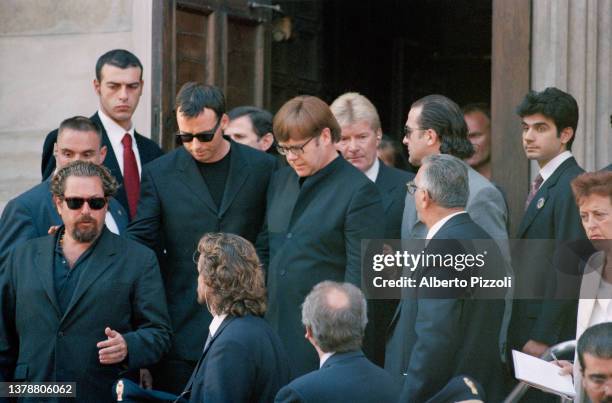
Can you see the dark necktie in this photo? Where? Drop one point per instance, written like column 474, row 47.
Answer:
column 131, row 180
column 535, row 186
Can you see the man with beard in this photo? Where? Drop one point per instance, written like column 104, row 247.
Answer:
column 84, row 304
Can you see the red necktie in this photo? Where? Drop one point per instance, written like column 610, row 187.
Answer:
column 131, row 180
column 535, row 186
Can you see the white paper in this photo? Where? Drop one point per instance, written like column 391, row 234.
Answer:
column 542, row 374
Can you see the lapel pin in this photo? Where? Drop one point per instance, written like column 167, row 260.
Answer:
column 540, row 203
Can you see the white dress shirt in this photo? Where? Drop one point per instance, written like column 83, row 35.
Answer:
column 215, row 323
column 436, row 227
column 115, row 134
column 552, row 165
column 325, row 357
column 372, row 172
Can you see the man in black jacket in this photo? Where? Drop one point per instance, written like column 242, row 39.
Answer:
column 320, row 208
column 210, row 184
column 119, row 85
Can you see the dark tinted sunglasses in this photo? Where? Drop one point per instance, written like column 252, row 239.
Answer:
column 95, row 203
column 203, row 137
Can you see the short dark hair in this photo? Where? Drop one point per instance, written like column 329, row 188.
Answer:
column 482, row 107
column 119, row 58
column 555, row 104
column 444, row 116
column 304, row 117
column 193, row 97
column 261, row 119
column 232, row 273
column 597, row 341
column 81, row 124
column 83, row 169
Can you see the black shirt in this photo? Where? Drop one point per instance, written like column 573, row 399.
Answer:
column 215, row 174
column 65, row 278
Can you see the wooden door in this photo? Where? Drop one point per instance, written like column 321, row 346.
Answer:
column 223, row 43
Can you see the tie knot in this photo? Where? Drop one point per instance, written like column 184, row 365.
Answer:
column 127, row 140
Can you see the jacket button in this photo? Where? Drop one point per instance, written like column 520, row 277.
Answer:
column 283, row 272
column 289, row 235
column 60, row 334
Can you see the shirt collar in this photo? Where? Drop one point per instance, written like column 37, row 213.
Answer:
column 372, row 172
column 114, row 132
column 216, row 322
column 436, row 227
column 325, row 357
column 552, row 165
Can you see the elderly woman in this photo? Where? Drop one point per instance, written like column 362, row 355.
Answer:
column 593, row 193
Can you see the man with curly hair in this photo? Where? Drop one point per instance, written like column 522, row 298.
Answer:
column 243, row 358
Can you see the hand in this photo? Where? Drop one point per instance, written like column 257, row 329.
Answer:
column 53, row 229
column 535, row 348
column 146, row 379
column 114, row 349
column 567, row 368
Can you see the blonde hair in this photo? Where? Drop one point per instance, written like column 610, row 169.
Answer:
column 352, row 107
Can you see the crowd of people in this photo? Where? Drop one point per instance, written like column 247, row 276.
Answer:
column 230, row 268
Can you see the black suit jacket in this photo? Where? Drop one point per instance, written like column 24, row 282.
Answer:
column 244, row 362
column 314, row 234
column 176, row 209
column 147, row 149
column 608, row 168
column 344, row 377
column 30, row 215
column 552, row 215
column 434, row 339
column 120, row 287
column 391, row 182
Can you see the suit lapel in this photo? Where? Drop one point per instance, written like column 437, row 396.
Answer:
column 541, row 198
column 99, row 260
column 43, row 262
column 110, row 161
column 385, row 187
column 591, row 281
column 237, row 175
column 191, row 177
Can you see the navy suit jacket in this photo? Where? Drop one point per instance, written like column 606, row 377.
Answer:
column 315, row 232
column 391, row 182
column 552, row 215
column 120, row 288
column 608, row 168
column 434, row 339
column 176, row 209
column 244, row 362
column 147, row 149
column 30, row 215
column 344, row 377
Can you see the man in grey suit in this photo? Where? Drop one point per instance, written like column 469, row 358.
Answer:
column 436, row 125
column 82, row 305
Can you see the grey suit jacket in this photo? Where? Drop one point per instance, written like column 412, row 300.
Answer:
column 485, row 205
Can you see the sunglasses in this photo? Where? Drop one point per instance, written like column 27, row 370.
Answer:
column 203, row 137
column 95, row 203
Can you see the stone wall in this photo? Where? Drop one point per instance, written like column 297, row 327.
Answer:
column 48, row 50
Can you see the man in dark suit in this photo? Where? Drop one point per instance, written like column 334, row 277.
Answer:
column 252, row 127
column 119, row 85
column 84, row 304
column 359, row 140
column 438, row 333
column 30, row 214
column 243, row 358
column 335, row 317
column 320, row 208
column 210, row 184
column 549, row 121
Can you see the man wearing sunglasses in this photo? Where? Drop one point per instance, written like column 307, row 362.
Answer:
column 210, row 184
column 31, row 214
column 320, row 208
column 82, row 305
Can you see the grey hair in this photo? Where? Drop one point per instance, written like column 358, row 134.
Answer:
column 335, row 327
column 446, row 179
column 83, row 169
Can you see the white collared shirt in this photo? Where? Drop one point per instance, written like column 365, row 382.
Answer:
column 436, row 227
column 115, row 134
column 215, row 323
column 325, row 357
column 552, row 165
column 372, row 172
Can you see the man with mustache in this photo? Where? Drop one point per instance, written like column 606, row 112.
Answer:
column 82, row 305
